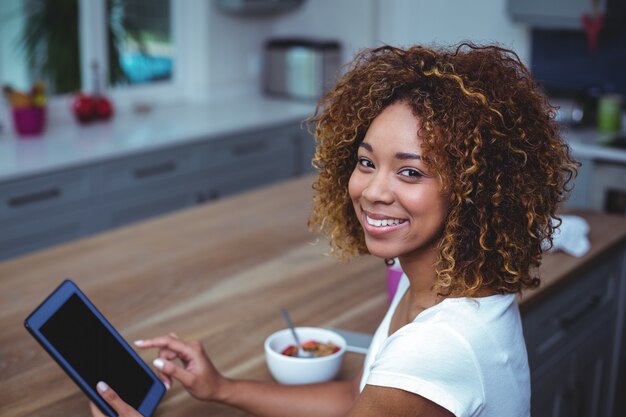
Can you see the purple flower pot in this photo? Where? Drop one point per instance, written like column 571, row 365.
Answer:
column 29, row 121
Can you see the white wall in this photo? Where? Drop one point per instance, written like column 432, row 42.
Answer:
column 447, row 22
column 353, row 22
column 236, row 42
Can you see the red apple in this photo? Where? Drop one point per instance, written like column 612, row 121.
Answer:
column 83, row 107
column 104, row 107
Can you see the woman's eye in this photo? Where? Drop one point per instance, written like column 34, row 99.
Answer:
column 365, row 163
column 411, row 172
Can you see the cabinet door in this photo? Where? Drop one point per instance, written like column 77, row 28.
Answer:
column 551, row 395
column 240, row 163
column 150, row 172
column 592, row 366
column 45, row 195
column 576, row 385
column 145, row 186
column 606, row 176
column 21, row 237
column 42, row 211
column 237, row 181
column 554, row 326
column 144, row 206
column 245, row 152
column 304, row 144
column 564, row 14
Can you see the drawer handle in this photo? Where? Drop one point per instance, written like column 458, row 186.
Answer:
column 36, row 197
column 153, row 170
column 250, row 148
column 591, row 303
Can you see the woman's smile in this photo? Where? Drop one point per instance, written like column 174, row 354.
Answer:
column 379, row 224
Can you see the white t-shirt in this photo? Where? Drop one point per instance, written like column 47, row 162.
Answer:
column 467, row 355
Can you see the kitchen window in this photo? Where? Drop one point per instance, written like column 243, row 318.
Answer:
column 132, row 50
column 142, row 46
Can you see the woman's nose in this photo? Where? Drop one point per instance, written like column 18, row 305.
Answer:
column 378, row 189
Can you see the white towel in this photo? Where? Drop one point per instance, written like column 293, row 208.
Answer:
column 571, row 236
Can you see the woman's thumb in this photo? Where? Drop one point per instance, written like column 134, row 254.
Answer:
column 113, row 399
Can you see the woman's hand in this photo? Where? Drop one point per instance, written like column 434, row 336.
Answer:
column 111, row 397
column 197, row 373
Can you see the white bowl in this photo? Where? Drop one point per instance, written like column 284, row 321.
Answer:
column 293, row 370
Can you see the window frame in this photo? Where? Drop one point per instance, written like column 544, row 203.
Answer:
column 93, row 46
column 189, row 82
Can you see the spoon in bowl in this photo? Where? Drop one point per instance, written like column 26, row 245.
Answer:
column 301, row 352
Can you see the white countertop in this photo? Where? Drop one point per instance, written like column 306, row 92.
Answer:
column 587, row 143
column 69, row 145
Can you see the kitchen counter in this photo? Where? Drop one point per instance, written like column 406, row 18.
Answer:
column 606, row 233
column 67, row 145
column 587, row 143
column 217, row 273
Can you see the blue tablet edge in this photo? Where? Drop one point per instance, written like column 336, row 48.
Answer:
column 49, row 306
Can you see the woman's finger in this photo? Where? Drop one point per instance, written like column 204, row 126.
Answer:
column 182, row 349
column 168, row 354
column 166, row 380
column 172, row 370
column 111, row 397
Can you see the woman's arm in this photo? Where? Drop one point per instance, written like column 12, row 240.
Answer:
column 264, row 399
column 267, row 399
column 377, row 401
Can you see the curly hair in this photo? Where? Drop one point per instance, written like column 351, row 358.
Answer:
column 488, row 133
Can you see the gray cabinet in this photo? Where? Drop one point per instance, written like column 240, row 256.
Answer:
column 150, row 171
column 574, row 345
column 550, row 392
column 44, row 195
column 591, row 367
column 240, row 163
column 552, row 14
column 58, row 207
column 145, row 205
column 577, row 383
column 305, row 149
column 608, row 181
column 45, row 210
column 36, row 231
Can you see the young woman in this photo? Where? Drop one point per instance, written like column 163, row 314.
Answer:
column 451, row 161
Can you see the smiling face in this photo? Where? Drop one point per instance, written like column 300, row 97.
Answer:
column 396, row 199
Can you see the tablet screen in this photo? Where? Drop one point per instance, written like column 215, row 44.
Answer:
column 95, row 354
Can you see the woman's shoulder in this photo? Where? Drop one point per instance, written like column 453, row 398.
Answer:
column 461, row 311
column 463, row 324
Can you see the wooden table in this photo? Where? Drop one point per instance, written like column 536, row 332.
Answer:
column 217, row 273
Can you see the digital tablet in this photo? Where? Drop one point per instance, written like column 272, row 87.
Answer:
column 89, row 349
